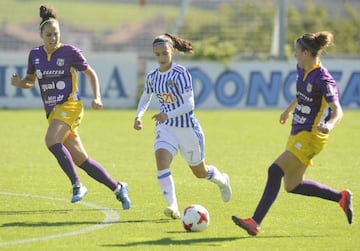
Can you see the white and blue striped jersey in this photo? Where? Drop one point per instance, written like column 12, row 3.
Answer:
column 174, row 91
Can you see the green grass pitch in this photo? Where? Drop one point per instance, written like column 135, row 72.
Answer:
column 35, row 212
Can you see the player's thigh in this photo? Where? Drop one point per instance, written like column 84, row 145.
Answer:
column 293, row 170
column 192, row 145
column 56, row 132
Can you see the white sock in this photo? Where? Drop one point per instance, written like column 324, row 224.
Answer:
column 215, row 176
column 167, row 186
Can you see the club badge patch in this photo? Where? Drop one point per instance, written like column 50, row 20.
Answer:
column 60, row 62
column 309, row 87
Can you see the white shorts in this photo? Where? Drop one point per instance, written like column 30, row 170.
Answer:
column 190, row 141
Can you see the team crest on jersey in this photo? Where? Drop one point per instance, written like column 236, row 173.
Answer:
column 170, row 83
column 309, row 87
column 60, row 62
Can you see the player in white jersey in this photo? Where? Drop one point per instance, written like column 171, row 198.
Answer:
column 177, row 129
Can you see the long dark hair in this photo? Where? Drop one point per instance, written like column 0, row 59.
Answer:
column 47, row 15
column 315, row 42
column 178, row 43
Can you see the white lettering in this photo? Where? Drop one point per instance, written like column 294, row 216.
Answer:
column 46, row 87
column 299, row 119
column 53, row 72
column 303, row 108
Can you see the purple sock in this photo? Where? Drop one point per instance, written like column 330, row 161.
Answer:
column 313, row 188
column 271, row 191
column 64, row 159
column 98, row 172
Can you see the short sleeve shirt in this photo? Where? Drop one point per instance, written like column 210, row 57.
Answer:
column 56, row 73
column 314, row 90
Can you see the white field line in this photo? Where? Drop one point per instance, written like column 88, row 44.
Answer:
column 111, row 217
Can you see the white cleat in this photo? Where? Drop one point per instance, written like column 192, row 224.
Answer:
column 226, row 189
column 79, row 191
column 172, row 213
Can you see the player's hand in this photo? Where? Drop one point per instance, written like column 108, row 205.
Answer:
column 137, row 124
column 15, row 80
column 160, row 117
column 324, row 127
column 96, row 104
column 284, row 117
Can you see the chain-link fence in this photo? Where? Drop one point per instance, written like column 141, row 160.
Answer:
column 220, row 29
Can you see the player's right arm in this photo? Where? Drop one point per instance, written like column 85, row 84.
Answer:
column 27, row 82
column 289, row 110
column 143, row 105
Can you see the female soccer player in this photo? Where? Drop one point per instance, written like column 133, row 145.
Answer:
column 54, row 65
column 176, row 126
column 316, row 110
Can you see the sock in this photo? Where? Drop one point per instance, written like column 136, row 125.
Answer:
column 167, row 186
column 313, row 188
column 96, row 171
column 64, row 158
column 271, row 191
column 215, row 176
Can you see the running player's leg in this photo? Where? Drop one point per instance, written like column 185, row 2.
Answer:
column 95, row 170
column 192, row 147
column 58, row 130
column 165, row 149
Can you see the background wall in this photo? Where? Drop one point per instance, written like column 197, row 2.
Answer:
column 243, row 57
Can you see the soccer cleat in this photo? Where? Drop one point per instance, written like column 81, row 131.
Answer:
column 226, row 189
column 346, row 204
column 79, row 191
column 247, row 224
column 172, row 213
column 122, row 195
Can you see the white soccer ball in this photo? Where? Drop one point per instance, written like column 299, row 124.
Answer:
column 195, row 218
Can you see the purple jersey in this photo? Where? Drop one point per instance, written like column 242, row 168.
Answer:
column 314, row 91
column 56, row 73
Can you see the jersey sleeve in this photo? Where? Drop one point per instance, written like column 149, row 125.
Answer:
column 79, row 62
column 329, row 87
column 30, row 66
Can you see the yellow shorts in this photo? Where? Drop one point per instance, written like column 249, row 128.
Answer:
column 70, row 112
column 305, row 145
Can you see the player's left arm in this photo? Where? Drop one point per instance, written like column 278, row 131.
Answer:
column 336, row 116
column 188, row 105
column 95, row 87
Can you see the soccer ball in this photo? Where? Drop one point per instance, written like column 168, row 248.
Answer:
column 195, row 218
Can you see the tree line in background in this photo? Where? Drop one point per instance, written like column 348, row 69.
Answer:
column 223, row 38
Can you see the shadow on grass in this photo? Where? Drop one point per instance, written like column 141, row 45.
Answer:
column 63, row 223
column 216, row 241
column 169, row 241
column 25, row 213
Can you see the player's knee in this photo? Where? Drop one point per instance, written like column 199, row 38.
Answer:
column 49, row 141
column 275, row 171
column 290, row 186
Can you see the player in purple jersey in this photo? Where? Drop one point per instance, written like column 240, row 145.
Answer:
column 177, row 129
column 54, row 65
column 316, row 110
